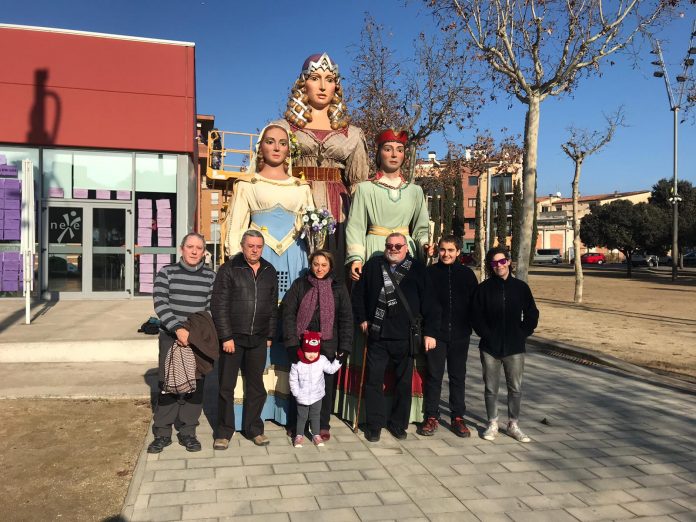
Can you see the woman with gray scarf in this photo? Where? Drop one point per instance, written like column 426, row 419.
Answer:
column 318, row 303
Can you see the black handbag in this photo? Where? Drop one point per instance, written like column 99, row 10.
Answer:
column 415, row 337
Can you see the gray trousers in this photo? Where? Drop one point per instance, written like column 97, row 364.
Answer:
column 513, row 365
column 313, row 411
column 183, row 411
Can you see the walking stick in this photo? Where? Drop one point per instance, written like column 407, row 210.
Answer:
column 360, row 388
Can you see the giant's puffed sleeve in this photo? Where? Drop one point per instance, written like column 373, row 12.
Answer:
column 420, row 223
column 239, row 217
column 357, row 162
column 356, row 228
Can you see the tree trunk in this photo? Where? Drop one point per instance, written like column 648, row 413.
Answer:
column 576, row 233
column 412, row 159
column 529, row 172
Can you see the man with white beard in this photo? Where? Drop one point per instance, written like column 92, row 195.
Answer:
column 379, row 309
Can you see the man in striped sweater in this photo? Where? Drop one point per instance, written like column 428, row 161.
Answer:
column 180, row 290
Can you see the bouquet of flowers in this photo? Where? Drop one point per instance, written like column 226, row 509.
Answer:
column 317, row 225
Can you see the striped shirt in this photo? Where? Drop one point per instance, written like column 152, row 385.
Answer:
column 181, row 290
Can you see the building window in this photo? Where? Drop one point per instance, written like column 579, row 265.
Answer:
column 471, row 224
column 155, row 173
column 472, row 202
column 87, row 175
column 214, row 198
column 559, row 208
column 214, row 216
column 544, row 209
column 473, row 181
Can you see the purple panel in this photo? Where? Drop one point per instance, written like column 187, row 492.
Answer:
column 10, row 275
column 11, row 224
column 11, row 235
column 12, row 184
column 2, row 200
column 11, row 256
column 12, row 214
column 10, row 266
column 9, row 171
column 10, row 286
column 14, row 204
column 2, row 234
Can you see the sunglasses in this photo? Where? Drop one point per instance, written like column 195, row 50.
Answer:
column 499, row 262
column 396, row 247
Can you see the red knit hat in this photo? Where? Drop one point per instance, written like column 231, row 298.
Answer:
column 388, row 135
column 311, row 342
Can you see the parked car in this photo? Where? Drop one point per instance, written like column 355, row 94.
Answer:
column 592, row 258
column 690, row 259
column 548, row 255
column 645, row 260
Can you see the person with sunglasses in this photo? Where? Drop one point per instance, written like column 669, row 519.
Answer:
column 504, row 315
column 380, row 312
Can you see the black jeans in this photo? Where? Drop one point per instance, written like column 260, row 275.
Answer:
column 252, row 361
column 183, row 411
column 455, row 354
column 379, row 354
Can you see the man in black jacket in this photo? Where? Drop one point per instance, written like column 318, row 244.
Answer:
column 504, row 315
column 454, row 286
column 382, row 316
column 245, row 309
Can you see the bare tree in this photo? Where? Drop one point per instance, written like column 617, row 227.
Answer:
column 581, row 144
column 422, row 95
column 533, row 49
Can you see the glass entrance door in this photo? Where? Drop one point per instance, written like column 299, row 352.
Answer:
column 89, row 250
column 65, row 253
column 108, row 250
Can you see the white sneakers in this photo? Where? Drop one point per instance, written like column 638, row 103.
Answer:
column 516, row 433
column 513, row 430
column 491, row 431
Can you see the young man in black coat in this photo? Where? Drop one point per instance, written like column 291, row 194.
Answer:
column 504, row 315
column 381, row 315
column 454, row 286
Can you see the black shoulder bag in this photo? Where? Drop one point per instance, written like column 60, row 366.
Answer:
column 415, row 337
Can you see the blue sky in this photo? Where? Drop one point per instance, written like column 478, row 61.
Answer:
column 249, row 53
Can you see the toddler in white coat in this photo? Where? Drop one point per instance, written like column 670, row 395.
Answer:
column 307, row 385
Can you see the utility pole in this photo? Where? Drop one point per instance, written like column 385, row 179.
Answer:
column 675, row 105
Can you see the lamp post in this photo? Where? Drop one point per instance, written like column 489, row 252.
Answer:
column 675, row 105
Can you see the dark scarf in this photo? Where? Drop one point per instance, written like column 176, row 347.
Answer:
column 387, row 295
column 321, row 292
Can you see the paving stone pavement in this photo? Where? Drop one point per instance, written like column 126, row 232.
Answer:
column 610, row 448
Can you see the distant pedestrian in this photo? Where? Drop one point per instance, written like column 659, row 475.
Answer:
column 307, row 386
column 454, row 286
column 504, row 316
column 180, row 290
column 245, row 311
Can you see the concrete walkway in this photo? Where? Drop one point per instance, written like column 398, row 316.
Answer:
column 605, row 447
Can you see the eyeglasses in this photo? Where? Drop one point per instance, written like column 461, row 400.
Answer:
column 499, row 262
column 396, row 247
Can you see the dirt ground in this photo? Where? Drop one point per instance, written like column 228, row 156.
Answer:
column 68, row 460
column 646, row 320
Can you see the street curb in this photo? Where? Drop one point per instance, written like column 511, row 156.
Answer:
column 550, row 347
column 136, row 480
column 140, row 350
